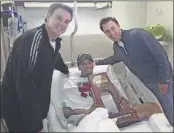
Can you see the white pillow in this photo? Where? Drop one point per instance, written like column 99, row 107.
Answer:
column 100, row 69
column 97, row 69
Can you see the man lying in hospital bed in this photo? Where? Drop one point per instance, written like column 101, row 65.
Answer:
column 76, row 106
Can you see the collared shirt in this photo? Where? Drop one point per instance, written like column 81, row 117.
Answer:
column 121, row 44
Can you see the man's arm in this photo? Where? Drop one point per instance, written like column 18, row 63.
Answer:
column 159, row 54
column 147, row 109
column 111, row 60
column 60, row 65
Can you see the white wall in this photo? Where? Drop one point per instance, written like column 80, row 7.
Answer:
column 161, row 12
column 88, row 20
column 129, row 14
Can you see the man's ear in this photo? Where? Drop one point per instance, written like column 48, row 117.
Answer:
column 118, row 25
column 47, row 18
column 79, row 68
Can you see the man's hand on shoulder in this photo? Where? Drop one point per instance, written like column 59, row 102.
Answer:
column 67, row 75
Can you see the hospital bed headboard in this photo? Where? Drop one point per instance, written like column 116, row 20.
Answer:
column 119, row 70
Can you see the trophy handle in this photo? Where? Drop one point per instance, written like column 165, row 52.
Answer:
column 96, row 96
column 126, row 116
column 115, row 95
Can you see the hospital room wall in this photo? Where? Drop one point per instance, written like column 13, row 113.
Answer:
column 162, row 12
column 89, row 38
column 94, row 41
column 88, row 19
column 98, row 44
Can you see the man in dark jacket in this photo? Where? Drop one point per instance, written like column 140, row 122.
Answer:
column 145, row 57
column 27, row 79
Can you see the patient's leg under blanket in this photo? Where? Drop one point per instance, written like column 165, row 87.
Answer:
column 96, row 121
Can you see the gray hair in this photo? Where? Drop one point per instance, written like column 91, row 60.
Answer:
column 56, row 6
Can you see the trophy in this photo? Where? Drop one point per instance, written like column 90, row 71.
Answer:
column 101, row 83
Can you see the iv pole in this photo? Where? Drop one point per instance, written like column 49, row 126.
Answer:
column 72, row 34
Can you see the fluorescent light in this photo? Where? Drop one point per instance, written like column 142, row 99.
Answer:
column 102, row 5
column 36, row 4
column 6, row 1
column 47, row 4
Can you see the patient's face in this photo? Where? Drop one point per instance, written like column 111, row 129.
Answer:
column 86, row 68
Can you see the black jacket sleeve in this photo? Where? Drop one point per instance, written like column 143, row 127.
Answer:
column 60, row 65
column 28, row 92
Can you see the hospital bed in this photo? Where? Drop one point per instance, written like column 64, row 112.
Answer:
column 129, row 86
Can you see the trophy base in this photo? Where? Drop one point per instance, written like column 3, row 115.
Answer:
column 126, row 117
column 127, row 122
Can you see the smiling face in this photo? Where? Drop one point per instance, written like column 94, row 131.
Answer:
column 58, row 21
column 85, row 64
column 112, row 30
column 86, row 68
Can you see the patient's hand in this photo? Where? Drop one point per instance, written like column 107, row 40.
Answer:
column 124, row 103
column 67, row 75
column 68, row 111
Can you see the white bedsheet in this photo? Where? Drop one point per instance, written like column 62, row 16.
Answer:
column 97, row 121
column 56, row 121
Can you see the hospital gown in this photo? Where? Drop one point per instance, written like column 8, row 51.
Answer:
column 74, row 100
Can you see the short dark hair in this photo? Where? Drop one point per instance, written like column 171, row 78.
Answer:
column 82, row 57
column 56, row 6
column 105, row 20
